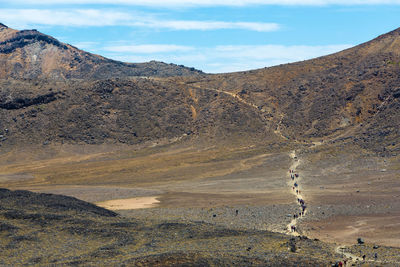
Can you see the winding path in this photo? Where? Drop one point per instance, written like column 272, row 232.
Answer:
column 295, row 164
column 339, row 249
column 353, row 258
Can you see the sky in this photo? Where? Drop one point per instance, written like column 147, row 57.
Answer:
column 211, row 35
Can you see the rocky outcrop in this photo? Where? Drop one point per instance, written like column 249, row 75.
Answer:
column 26, row 102
column 24, row 38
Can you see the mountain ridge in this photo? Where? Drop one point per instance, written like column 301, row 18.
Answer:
column 32, row 54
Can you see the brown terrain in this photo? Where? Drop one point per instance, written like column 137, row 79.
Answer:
column 161, row 143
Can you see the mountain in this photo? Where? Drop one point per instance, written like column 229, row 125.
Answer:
column 29, row 54
column 351, row 96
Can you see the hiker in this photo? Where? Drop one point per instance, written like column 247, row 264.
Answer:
column 295, row 184
column 340, row 264
column 237, row 212
column 345, row 262
column 297, row 191
column 297, row 176
column 363, row 257
column 376, row 256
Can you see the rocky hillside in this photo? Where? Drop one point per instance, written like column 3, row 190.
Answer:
column 118, row 111
column 45, row 229
column 352, row 96
column 30, row 54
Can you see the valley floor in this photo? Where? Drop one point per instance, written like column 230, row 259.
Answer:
column 348, row 194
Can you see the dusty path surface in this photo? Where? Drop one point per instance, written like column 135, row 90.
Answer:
column 294, row 179
column 341, row 250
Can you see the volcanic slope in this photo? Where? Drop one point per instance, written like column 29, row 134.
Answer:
column 350, row 96
column 353, row 95
column 29, row 54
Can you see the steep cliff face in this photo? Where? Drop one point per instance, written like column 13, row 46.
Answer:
column 30, row 54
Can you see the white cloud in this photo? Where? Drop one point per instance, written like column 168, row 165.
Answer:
column 281, row 52
column 21, row 18
column 225, row 58
column 189, row 3
column 78, row 17
column 210, row 25
column 148, row 49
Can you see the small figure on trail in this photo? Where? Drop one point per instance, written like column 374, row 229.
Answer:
column 297, row 176
column 376, row 256
column 294, row 228
column 237, row 212
column 302, row 213
column 340, row 264
column 293, row 188
column 295, row 184
column 363, row 257
column 297, row 191
column 345, row 262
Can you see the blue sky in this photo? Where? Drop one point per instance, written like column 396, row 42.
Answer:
column 211, row 35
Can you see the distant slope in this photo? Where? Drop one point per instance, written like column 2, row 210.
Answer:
column 119, row 111
column 31, row 54
column 353, row 95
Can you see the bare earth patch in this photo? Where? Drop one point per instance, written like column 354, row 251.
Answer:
column 130, row 203
column 378, row 229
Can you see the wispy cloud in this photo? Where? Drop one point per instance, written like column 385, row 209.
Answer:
column 209, row 25
column 195, row 3
column 92, row 17
column 148, row 49
column 72, row 18
column 222, row 58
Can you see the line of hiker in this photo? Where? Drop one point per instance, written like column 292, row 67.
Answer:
column 294, row 177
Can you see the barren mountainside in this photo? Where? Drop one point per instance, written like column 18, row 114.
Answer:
column 351, row 96
column 29, row 54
